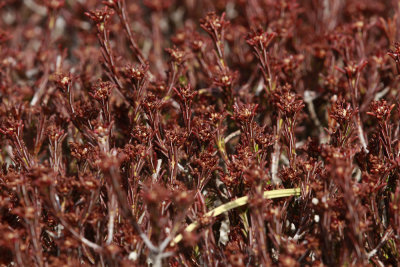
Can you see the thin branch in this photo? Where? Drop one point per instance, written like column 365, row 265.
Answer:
column 238, row 203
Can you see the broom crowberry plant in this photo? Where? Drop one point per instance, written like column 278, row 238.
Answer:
column 199, row 133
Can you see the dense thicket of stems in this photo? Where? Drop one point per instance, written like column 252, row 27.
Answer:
column 199, row 133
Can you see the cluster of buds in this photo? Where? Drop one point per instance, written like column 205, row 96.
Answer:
column 175, row 136
column 141, row 133
column 206, row 161
column 101, row 91
column 244, row 114
column 225, row 79
column 376, row 165
column 262, row 137
column 62, row 81
column 54, row 133
column 101, row 134
column 197, row 42
column 177, row 55
column 341, row 112
column 288, row 102
column 291, row 62
column 260, row 39
column 11, row 128
column 215, row 117
column 214, row 25
column 229, row 180
column 100, row 17
column 186, row 93
column 395, row 54
column 80, row 152
column 291, row 175
column 136, row 73
column 133, row 151
column 151, row 102
column 85, row 110
column 203, row 130
column 352, row 69
column 381, row 110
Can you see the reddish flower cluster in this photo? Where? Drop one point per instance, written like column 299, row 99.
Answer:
column 131, row 130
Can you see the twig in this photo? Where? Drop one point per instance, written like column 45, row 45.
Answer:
column 112, row 209
column 388, row 233
column 231, row 136
column 275, row 155
column 238, row 203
